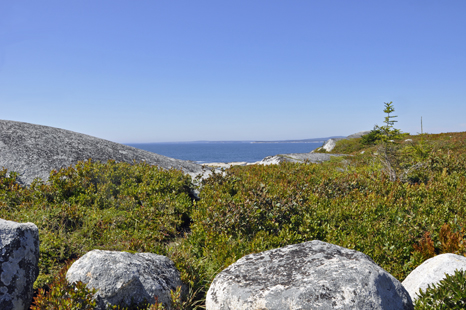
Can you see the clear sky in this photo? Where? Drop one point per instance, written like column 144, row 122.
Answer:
column 185, row 70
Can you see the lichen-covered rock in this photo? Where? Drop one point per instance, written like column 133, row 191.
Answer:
column 122, row 278
column 19, row 255
column 311, row 275
column 432, row 271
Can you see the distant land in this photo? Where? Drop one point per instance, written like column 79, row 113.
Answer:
column 314, row 140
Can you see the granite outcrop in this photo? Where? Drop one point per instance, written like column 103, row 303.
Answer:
column 35, row 150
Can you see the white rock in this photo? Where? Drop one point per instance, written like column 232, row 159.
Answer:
column 433, row 271
column 225, row 165
column 329, row 144
column 272, row 160
column 311, row 275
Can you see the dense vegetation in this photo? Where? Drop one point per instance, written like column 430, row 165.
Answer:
column 351, row 201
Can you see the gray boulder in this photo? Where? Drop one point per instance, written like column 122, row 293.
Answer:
column 310, row 275
column 432, row 271
column 122, row 278
column 19, row 255
column 34, row 150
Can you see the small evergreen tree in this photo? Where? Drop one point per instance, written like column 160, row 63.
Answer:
column 385, row 133
column 388, row 151
column 388, row 132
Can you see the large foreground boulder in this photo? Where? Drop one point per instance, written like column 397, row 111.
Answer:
column 122, row 278
column 34, row 150
column 19, row 255
column 432, row 271
column 311, row 275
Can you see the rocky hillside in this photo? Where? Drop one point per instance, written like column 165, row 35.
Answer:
column 34, row 150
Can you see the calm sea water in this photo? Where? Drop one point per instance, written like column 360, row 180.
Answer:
column 224, row 152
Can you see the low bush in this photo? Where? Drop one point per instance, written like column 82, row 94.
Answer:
column 110, row 206
column 348, row 146
column 449, row 293
column 373, row 137
column 349, row 201
column 62, row 295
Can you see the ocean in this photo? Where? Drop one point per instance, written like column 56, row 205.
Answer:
column 224, row 152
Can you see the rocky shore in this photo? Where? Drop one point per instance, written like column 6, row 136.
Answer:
column 277, row 159
column 310, row 157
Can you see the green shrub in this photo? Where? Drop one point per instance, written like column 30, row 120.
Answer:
column 373, row 137
column 110, row 206
column 347, row 201
column 64, row 296
column 255, row 208
column 449, row 293
column 348, row 146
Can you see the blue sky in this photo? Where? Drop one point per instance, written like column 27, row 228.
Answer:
column 157, row 71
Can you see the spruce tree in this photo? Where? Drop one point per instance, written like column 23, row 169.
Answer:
column 388, row 132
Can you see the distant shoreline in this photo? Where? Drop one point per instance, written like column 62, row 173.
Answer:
column 289, row 141
column 315, row 140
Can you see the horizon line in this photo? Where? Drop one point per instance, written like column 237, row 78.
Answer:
column 309, row 140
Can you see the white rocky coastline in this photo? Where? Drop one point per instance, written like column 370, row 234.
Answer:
column 293, row 157
column 277, row 159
